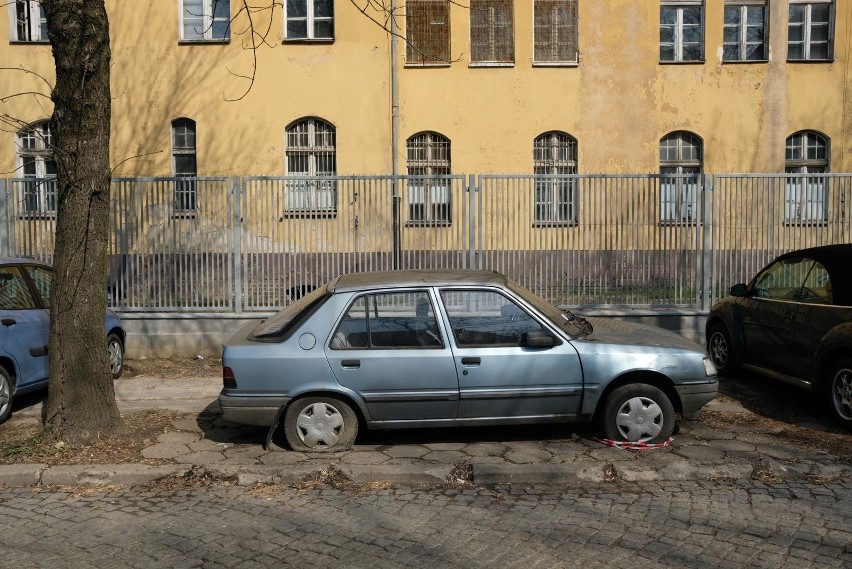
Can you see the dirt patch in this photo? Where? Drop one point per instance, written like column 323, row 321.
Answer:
column 174, row 368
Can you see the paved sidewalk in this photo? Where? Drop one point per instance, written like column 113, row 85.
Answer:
column 553, row 454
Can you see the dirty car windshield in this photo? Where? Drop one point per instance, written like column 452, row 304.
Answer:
column 279, row 326
column 576, row 326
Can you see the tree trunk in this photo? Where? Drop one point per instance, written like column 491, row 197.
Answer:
column 81, row 400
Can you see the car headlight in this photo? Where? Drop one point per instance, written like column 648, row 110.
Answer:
column 709, row 368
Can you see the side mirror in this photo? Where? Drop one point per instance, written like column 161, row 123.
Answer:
column 538, row 339
column 739, row 290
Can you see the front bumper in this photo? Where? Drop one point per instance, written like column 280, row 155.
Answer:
column 259, row 410
column 694, row 396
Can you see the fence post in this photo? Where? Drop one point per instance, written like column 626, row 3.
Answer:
column 706, row 242
column 397, row 230
column 236, row 192
column 4, row 221
column 471, row 242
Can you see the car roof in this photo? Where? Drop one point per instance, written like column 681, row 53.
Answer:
column 21, row 261
column 836, row 260
column 413, row 278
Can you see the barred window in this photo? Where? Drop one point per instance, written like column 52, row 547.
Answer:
column 555, row 31
column 555, row 154
column 429, row 193
column 30, row 25
column 184, row 164
column 810, row 30
column 311, row 152
column 681, row 30
column 806, row 197
column 745, row 31
column 492, row 31
column 427, row 32
column 38, row 169
column 205, row 20
column 680, row 169
column 309, row 19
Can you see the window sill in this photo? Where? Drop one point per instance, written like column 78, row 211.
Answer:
column 746, row 61
column 805, row 223
column 38, row 215
column 679, row 223
column 428, row 223
column 491, row 64
column 550, row 224
column 29, row 42
column 690, row 62
column 428, row 65
column 798, row 61
column 309, row 214
column 204, row 41
column 307, row 40
column 187, row 214
column 556, row 64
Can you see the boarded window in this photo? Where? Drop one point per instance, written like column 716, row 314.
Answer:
column 428, row 32
column 555, row 31
column 492, row 31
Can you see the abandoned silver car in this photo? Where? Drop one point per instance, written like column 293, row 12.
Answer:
column 403, row 349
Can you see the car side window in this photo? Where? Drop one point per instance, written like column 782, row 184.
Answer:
column 483, row 318
column 783, row 280
column 42, row 278
column 388, row 321
column 817, row 288
column 14, row 292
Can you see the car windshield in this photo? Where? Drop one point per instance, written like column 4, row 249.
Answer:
column 575, row 325
column 279, row 326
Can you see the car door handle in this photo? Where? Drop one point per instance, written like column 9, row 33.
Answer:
column 8, row 321
column 350, row 364
column 789, row 314
column 471, row 361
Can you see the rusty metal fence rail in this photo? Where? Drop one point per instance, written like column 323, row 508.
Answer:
column 258, row 243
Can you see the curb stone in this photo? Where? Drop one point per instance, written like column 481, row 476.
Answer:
column 108, row 474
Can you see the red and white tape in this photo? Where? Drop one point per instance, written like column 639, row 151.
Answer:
column 627, row 445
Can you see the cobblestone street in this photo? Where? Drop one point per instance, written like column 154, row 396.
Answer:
column 686, row 524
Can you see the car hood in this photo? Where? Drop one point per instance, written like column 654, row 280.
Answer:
column 616, row 331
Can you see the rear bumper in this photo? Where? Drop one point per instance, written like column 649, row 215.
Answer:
column 251, row 409
column 694, row 396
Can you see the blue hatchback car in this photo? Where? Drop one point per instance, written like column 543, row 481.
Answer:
column 25, row 327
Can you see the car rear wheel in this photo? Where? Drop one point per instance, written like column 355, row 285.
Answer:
column 116, row 355
column 638, row 413
column 840, row 392
column 721, row 349
column 320, row 424
column 5, row 395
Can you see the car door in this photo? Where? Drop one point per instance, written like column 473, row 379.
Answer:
column 389, row 348
column 24, row 327
column 769, row 314
column 500, row 377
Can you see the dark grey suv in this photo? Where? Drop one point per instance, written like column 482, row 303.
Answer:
column 793, row 321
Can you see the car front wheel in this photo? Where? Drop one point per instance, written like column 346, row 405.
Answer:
column 638, row 413
column 5, row 395
column 721, row 349
column 320, row 424
column 840, row 392
column 116, row 355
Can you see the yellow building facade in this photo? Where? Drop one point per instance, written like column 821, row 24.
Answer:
column 488, row 77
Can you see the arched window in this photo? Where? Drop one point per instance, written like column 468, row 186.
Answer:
column 184, row 164
column 555, row 154
column 429, row 195
column 34, row 149
column 681, row 162
column 311, row 152
column 806, row 152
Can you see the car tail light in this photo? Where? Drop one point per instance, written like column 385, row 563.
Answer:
column 228, row 379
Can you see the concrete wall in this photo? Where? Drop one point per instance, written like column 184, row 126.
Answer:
column 171, row 334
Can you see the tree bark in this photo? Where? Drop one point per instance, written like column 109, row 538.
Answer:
column 81, row 400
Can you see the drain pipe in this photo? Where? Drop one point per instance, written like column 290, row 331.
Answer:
column 397, row 235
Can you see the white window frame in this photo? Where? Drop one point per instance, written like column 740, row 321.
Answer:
column 310, row 19
column 36, row 28
column 680, row 180
column 205, row 33
column 38, row 188
column 806, row 30
column 557, row 171
column 555, row 61
column 806, row 197
column 431, row 188
column 186, row 196
column 312, row 196
column 679, row 6
column 742, row 29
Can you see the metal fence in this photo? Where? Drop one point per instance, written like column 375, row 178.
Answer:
column 257, row 243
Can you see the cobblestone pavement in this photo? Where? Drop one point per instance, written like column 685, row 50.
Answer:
column 686, row 524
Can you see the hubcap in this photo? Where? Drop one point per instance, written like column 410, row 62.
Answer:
column 640, row 419
column 841, row 394
column 5, row 394
column 116, row 358
column 319, row 424
column 719, row 349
